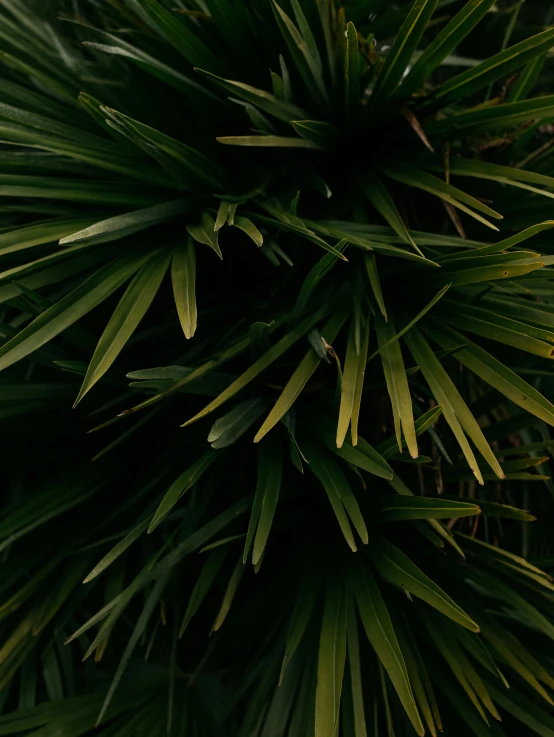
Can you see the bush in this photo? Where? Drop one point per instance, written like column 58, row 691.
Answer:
column 302, row 507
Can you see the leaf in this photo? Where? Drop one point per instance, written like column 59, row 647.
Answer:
column 399, row 57
column 85, row 297
column 420, row 179
column 380, row 632
column 169, row 26
column 300, row 377
column 363, row 456
column 394, row 566
column 497, row 66
column 504, row 511
column 395, row 509
column 353, row 381
column 397, row 385
column 445, row 43
column 339, row 494
column 260, row 98
column 496, row 374
column 138, row 630
column 132, row 307
column 117, row 550
column 374, row 281
column 121, row 226
column 379, row 196
column 229, row 428
column 36, row 234
column 203, row 584
column 268, row 486
column 183, row 279
column 119, row 47
column 303, row 50
column 258, row 366
column 314, row 277
column 491, row 325
column 180, row 486
column 267, row 141
column 174, row 156
column 499, row 117
column 354, row 662
column 455, row 410
column 389, row 448
column 206, row 233
column 331, row 662
column 525, row 711
column 248, row 227
column 304, row 607
column 229, row 595
column 413, row 322
column 321, row 134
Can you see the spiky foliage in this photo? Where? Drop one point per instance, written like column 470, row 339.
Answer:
column 323, row 180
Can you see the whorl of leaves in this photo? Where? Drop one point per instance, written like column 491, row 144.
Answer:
column 292, row 263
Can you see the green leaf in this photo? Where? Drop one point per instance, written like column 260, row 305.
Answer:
column 314, row 277
column 363, row 456
column 374, row 282
column 394, row 566
column 229, row 428
column 497, row 66
column 300, row 377
column 203, row 584
column 379, row 196
column 499, row 117
column 206, row 233
column 455, row 409
column 268, row 486
column 389, row 448
column 117, row 550
column 380, row 632
column 496, row 327
column 267, row 141
column 413, row 322
column 260, row 98
column 229, row 596
column 495, row 373
column 397, row 385
column 354, row 662
column 331, row 661
column 183, row 279
column 248, row 227
column 169, row 26
column 183, row 483
column 151, row 601
column 121, row 226
column 303, row 49
column 69, row 309
column 353, row 381
column 132, row 307
column 445, row 43
column 321, row 134
column 420, row 179
column 503, row 245
column 339, row 494
column 260, row 365
column 303, row 610
column 39, row 233
column 400, row 56
column 168, row 152
column 395, row 509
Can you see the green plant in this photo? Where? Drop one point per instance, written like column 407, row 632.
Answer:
column 323, row 182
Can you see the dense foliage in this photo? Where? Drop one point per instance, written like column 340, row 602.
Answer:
column 303, row 507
